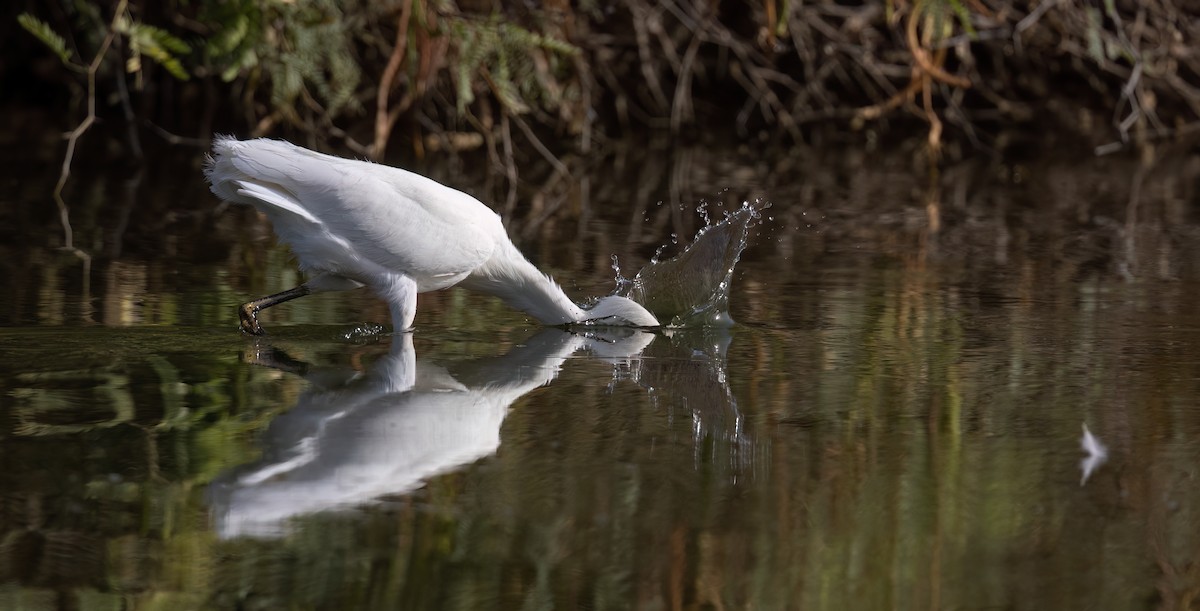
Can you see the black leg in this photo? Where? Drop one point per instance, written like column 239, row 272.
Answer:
column 248, row 312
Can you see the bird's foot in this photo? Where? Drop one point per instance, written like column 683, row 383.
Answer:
column 248, row 316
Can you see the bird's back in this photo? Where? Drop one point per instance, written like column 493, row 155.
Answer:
column 355, row 217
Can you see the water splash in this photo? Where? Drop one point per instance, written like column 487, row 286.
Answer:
column 702, row 209
column 621, row 280
column 363, row 332
column 692, row 288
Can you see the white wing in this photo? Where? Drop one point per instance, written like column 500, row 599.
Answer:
column 389, row 217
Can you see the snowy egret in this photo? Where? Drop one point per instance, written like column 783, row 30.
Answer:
column 354, row 223
column 356, row 436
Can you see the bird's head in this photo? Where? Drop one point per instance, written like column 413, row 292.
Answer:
column 620, row 311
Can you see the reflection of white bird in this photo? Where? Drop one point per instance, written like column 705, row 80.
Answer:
column 1096, row 454
column 353, row 223
column 351, row 440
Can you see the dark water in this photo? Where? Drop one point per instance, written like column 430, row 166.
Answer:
column 896, row 422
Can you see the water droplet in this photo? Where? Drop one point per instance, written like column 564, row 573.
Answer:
column 658, row 253
column 616, row 265
column 363, row 331
column 702, row 209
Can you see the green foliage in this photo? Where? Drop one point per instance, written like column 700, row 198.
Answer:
column 144, row 39
column 321, row 54
column 302, row 52
column 1095, row 25
column 155, row 43
column 964, row 16
column 233, row 48
column 290, row 47
column 939, row 12
column 505, row 54
column 42, row 31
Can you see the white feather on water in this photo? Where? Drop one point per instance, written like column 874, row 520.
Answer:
column 1097, row 454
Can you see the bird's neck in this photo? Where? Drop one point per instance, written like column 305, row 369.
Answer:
column 512, row 278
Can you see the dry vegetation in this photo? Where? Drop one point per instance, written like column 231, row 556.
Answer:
column 466, row 74
column 561, row 82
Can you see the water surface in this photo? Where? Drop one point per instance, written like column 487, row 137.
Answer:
column 895, row 422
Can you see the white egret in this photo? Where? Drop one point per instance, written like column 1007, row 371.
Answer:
column 356, row 436
column 354, row 223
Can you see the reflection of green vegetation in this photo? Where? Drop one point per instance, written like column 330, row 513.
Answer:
column 917, row 448
column 48, row 403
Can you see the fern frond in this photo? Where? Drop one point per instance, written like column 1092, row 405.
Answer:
column 964, row 17
column 227, row 40
column 246, row 59
column 164, row 38
column 286, row 82
column 518, row 35
column 505, row 54
column 42, row 31
column 507, row 90
column 157, row 44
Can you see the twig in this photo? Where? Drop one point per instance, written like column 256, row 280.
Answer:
column 1032, row 18
column 74, row 135
column 927, row 64
column 537, row 144
column 510, row 165
column 875, row 111
column 1129, row 92
column 681, row 108
column 135, row 143
column 585, row 84
column 64, row 214
column 175, row 138
column 645, row 54
column 539, row 216
column 935, row 123
column 385, row 119
column 978, row 36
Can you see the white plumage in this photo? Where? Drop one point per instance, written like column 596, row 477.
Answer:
column 353, row 223
column 353, row 437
